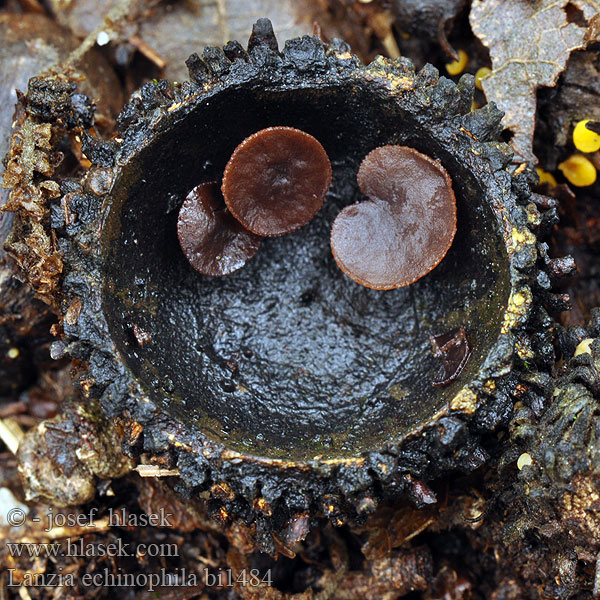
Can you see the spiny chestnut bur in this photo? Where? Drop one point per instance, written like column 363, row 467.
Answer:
column 276, row 180
column 214, row 243
column 405, row 228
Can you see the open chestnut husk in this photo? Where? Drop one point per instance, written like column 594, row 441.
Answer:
column 286, row 380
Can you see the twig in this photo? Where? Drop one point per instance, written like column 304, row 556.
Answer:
column 222, row 12
column 332, row 579
column 382, row 25
column 154, row 471
column 111, row 22
column 23, row 593
column 11, row 434
column 58, row 533
column 137, row 42
column 12, row 408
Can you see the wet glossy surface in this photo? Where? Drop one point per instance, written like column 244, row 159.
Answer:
column 289, row 357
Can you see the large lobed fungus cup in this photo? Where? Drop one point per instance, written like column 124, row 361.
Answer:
column 287, row 375
column 406, row 227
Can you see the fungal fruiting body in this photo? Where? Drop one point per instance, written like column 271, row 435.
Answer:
column 276, row 180
column 479, row 75
column 274, row 183
column 546, row 177
column 579, row 170
column 214, row 243
column 405, row 228
column 456, row 67
column 585, row 139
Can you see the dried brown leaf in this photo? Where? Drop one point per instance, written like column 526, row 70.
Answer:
column 392, row 527
column 168, row 32
column 529, row 43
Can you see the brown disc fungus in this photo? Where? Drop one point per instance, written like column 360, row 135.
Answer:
column 214, row 243
column 276, row 180
column 405, row 228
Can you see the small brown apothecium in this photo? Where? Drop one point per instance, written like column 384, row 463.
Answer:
column 214, row 243
column 405, row 228
column 276, row 180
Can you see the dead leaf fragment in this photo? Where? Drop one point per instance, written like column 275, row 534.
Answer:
column 530, row 44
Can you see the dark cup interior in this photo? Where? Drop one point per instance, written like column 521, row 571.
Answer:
column 288, row 357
